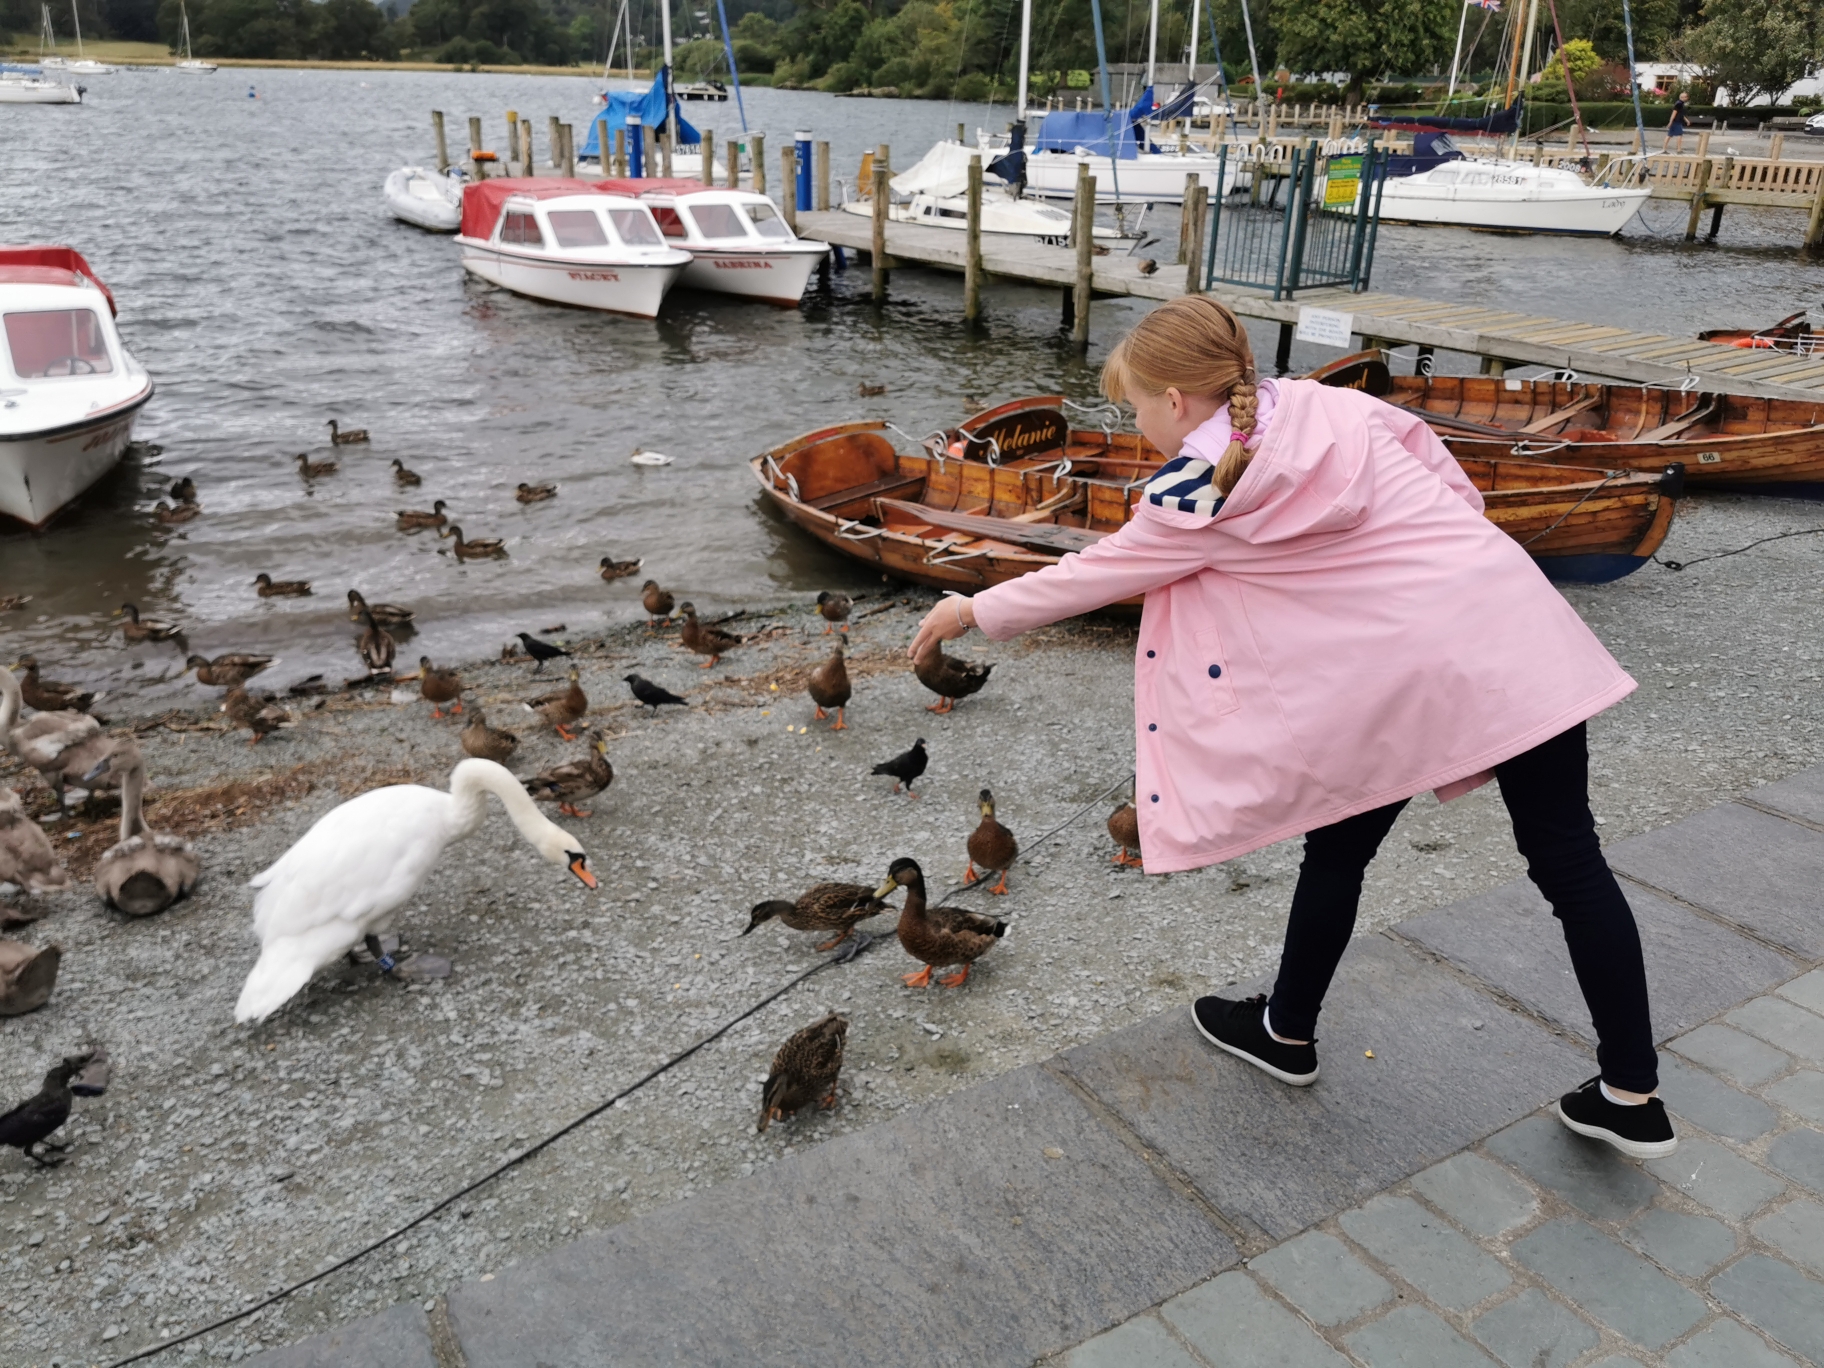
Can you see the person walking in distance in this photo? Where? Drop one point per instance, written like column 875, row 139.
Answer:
column 1332, row 627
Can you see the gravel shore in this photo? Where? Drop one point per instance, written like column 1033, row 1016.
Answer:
column 228, row 1161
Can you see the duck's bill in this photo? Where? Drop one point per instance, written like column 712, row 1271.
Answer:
column 581, row 870
column 886, row 888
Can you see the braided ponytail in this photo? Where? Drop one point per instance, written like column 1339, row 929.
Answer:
column 1194, row 344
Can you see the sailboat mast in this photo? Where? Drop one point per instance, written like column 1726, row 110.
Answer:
column 671, row 107
column 1455, row 57
column 1526, row 51
column 1190, row 55
column 1019, row 107
column 1152, row 42
column 76, row 19
column 1253, row 56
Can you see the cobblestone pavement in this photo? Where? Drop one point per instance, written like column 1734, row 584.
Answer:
column 1538, row 1249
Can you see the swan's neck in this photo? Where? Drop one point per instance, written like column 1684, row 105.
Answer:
column 10, row 703
column 473, row 780
column 132, row 786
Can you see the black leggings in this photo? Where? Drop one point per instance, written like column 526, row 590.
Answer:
column 1547, row 794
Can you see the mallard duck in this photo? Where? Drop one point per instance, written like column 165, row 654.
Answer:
column 488, row 548
column 136, row 628
column 949, row 678
column 376, row 647
column 1124, row 827
column 47, row 695
column 411, row 520
column 991, row 846
column 261, row 716
column 829, row 687
column 27, row 860
column 905, row 767
column 529, row 493
column 28, row 973
column 708, row 640
column 147, row 870
column 383, row 843
column 822, row 907
column 657, row 602
column 227, row 671
column 267, row 587
column 834, row 609
column 574, row 780
column 171, row 517
column 60, row 745
column 613, row 569
column 314, row 470
column 337, row 437
column 563, row 709
column 938, row 935
column 485, row 742
column 805, row 1070
column 184, row 490
column 404, row 477
column 439, row 686
column 386, row 614
column 866, row 391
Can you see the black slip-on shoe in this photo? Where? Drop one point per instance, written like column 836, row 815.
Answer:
column 1643, row 1132
column 1240, row 1028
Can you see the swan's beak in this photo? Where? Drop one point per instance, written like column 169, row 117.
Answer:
column 579, row 866
column 886, row 887
column 100, row 767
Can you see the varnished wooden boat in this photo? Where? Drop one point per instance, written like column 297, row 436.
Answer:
column 1729, row 441
column 1016, row 488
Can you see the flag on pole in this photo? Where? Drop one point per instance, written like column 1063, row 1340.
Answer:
column 1486, row 4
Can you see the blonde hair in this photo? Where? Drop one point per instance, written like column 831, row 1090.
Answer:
column 1193, row 344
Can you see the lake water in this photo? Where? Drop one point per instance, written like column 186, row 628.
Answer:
column 264, row 286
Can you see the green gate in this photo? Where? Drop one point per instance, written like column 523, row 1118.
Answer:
column 1322, row 233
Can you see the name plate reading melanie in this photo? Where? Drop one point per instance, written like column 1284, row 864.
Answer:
column 1326, row 327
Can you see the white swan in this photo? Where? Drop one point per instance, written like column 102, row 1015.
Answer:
column 362, row 861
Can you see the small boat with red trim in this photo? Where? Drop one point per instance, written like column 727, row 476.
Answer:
column 1793, row 333
column 69, row 388
column 565, row 241
column 739, row 243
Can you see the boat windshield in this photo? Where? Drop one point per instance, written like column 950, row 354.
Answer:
column 767, row 221
column 636, row 228
column 522, row 229
column 57, row 342
column 718, row 221
column 669, row 222
column 577, row 228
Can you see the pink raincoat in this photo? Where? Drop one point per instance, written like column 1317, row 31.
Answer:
column 1347, row 630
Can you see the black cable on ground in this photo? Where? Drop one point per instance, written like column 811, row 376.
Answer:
column 153, row 1350
column 1719, row 555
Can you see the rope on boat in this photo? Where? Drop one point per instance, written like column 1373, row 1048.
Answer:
column 1608, row 479
column 1719, row 555
column 862, row 943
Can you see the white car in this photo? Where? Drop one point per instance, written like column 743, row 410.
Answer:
column 1814, row 126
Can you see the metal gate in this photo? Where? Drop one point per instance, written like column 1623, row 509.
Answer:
column 1317, row 226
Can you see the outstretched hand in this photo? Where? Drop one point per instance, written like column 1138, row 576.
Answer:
column 951, row 618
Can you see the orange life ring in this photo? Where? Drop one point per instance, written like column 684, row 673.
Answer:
column 483, row 156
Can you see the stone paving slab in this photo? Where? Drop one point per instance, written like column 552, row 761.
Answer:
column 1509, row 938
column 990, row 1227
column 1802, row 795
column 399, row 1337
column 1282, row 1158
column 1759, row 871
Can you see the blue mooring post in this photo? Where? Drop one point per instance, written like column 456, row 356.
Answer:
column 802, row 141
column 636, row 147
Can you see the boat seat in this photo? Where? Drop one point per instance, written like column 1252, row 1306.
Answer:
column 890, row 484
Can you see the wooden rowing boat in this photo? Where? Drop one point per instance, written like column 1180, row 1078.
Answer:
column 1016, row 488
column 1793, row 333
column 1729, row 441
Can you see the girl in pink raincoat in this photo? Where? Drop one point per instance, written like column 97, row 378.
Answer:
column 1331, row 627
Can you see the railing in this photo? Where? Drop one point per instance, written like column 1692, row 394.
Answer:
column 1322, row 233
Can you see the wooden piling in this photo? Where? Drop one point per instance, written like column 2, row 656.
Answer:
column 820, row 175
column 551, row 137
column 604, row 146
column 1703, row 145
column 734, row 165
column 620, row 150
column 758, row 161
column 882, row 197
column 1185, row 250
column 649, row 148
column 972, row 253
column 1196, row 211
column 960, row 130
column 1716, row 212
column 512, row 140
column 474, row 135
column 664, row 138
column 1775, row 146
column 709, row 156
column 1814, row 227
column 568, row 134
column 443, row 148
column 788, row 184
column 1083, row 238
column 1698, row 187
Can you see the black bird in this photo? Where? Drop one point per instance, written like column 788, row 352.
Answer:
column 652, row 695
column 541, row 651
column 26, row 1125
column 905, row 768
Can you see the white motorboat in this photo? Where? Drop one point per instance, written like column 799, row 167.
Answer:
column 1507, row 196
column 938, row 184
column 738, row 241
column 189, row 62
column 69, row 388
column 425, row 199
column 18, row 89
column 1144, row 178
column 566, row 242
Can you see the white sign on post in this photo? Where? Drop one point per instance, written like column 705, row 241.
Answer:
column 1326, row 327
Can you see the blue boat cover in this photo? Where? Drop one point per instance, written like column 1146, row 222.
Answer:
column 650, row 106
column 1066, row 130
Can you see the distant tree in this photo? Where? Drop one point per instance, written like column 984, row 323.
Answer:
column 1366, row 38
column 1754, row 47
column 1576, row 64
column 347, row 30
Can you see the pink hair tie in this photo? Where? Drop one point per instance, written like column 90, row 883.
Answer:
column 1241, row 437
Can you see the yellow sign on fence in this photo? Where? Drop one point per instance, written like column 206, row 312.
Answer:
column 1342, row 178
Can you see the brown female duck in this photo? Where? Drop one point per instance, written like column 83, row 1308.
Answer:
column 487, row 548
column 822, row 907
column 805, row 1070
column 949, row 678
column 938, row 935
column 227, row 671
column 48, row 695
column 386, row 614
column 171, row 517
column 613, row 569
column 376, row 646
column 267, row 587
column 314, row 470
column 657, row 602
column 834, row 608
column 485, row 742
column 991, row 846
column 705, row 639
column 136, row 628
column 260, row 716
column 337, row 437
column 531, row 493
column 574, row 781
column 406, row 479
column 563, row 709
column 439, row 686
column 411, row 520
column 829, row 687
column 1124, row 828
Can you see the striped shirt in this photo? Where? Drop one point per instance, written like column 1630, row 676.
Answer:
column 1186, row 483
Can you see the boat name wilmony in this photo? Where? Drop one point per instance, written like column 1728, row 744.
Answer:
column 594, row 275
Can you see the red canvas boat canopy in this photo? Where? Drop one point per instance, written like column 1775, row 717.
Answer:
column 43, row 265
column 482, row 200
column 646, row 185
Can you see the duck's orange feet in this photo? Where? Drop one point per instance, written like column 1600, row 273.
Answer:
column 708, row 663
column 922, row 979
column 828, row 630
column 832, row 944
column 956, row 980
column 567, row 735
column 828, row 1102
column 571, row 810
column 819, row 715
column 455, row 708
column 840, row 724
column 436, row 713
column 1000, row 887
column 943, row 705
column 969, row 873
